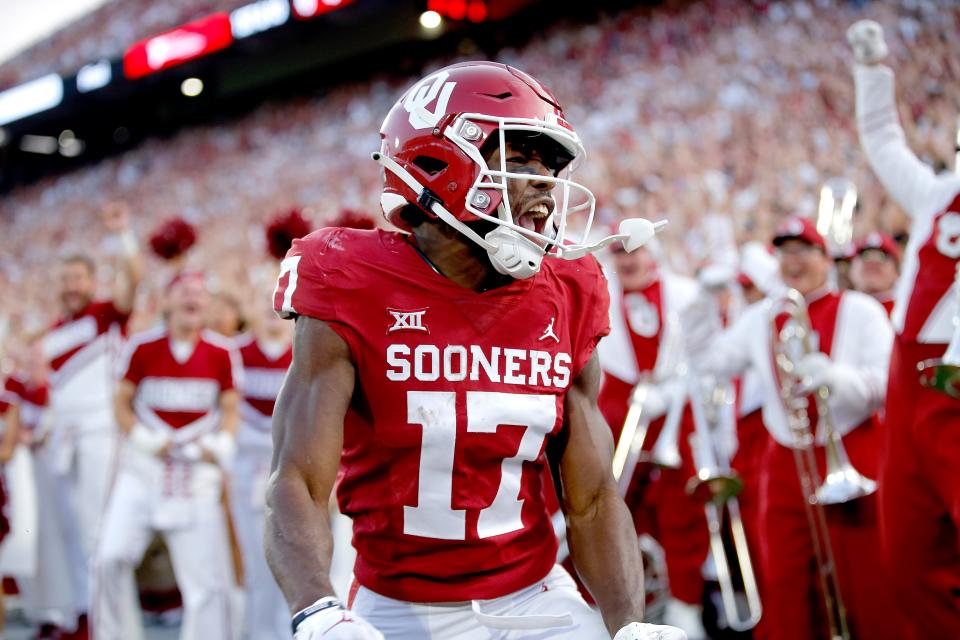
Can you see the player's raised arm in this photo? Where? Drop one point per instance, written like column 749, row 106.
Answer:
column 603, row 543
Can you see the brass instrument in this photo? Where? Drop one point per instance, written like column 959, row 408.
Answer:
column 666, row 451
column 632, row 436
column 718, row 485
column 843, row 482
column 943, row 374
column 838, row 200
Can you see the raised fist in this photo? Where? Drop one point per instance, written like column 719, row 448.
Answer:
column 116, row 217
column 866, row 40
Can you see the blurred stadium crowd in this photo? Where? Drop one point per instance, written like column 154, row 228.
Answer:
column 723, row 117
column 721, row 107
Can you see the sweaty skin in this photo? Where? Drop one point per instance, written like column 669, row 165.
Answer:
column 308, row 439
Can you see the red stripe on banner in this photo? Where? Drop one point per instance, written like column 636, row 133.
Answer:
column 177, row 46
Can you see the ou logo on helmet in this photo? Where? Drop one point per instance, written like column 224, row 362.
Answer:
column 433, row 88
column 948, row 235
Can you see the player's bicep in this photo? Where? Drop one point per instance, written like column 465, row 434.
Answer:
column 309, row 414
column 586, row 463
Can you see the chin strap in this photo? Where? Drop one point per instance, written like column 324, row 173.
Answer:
column 512, row 253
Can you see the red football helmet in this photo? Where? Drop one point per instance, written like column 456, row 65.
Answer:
column 431, row 152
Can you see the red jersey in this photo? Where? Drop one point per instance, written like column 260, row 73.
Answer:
column 81, row 351
column 262, row 378
column 73, row 341
column 180, row 397
column 457, row 394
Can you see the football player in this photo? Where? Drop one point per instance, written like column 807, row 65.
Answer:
column 919, row 492
column 437, row 372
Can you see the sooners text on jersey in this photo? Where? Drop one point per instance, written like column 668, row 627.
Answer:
column 458, row 392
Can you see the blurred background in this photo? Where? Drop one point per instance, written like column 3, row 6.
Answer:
column 723, row 116
column 225, row 113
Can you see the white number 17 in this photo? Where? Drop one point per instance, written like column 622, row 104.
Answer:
column 436, row 412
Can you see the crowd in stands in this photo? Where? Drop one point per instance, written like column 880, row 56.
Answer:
column 718, row 107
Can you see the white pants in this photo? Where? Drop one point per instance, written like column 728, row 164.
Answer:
column 83, row 471
column 192, row 521
column 549, row 609
column 267, row 616
column 18, row 552
column 48, row 595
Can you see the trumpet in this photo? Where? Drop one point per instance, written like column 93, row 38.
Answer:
column 666, row 450
column 843, row 482
column 718, row 485
column 838, row 201
column 943, row 374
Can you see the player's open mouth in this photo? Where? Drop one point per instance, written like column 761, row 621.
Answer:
column 535, row 217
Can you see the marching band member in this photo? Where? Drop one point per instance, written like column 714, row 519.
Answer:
column 854, row 341
column 79, row 350
column 876, row 267
column 177, row 404
column 641, row 299
column 919, row 492
column 759, row 277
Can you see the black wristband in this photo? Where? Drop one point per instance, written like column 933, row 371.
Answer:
column 322, row 604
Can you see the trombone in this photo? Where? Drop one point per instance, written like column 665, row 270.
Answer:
column 718, row 485
column 943, row 374
column 666, row 450
column 843, row 482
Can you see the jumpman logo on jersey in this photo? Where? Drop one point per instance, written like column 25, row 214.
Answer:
column 549, row 332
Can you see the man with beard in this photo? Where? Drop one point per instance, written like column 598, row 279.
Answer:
column 80, row 350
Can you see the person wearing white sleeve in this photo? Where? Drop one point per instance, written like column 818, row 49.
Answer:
column 854, row 339
column 919, row 494
column 644, row 345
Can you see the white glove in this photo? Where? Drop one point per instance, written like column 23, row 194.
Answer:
column 147, row 440
column 327, row 619
column 644, row 631
column 866, row 39
column 815, row 370
column 700, row 323
column 658, row 399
